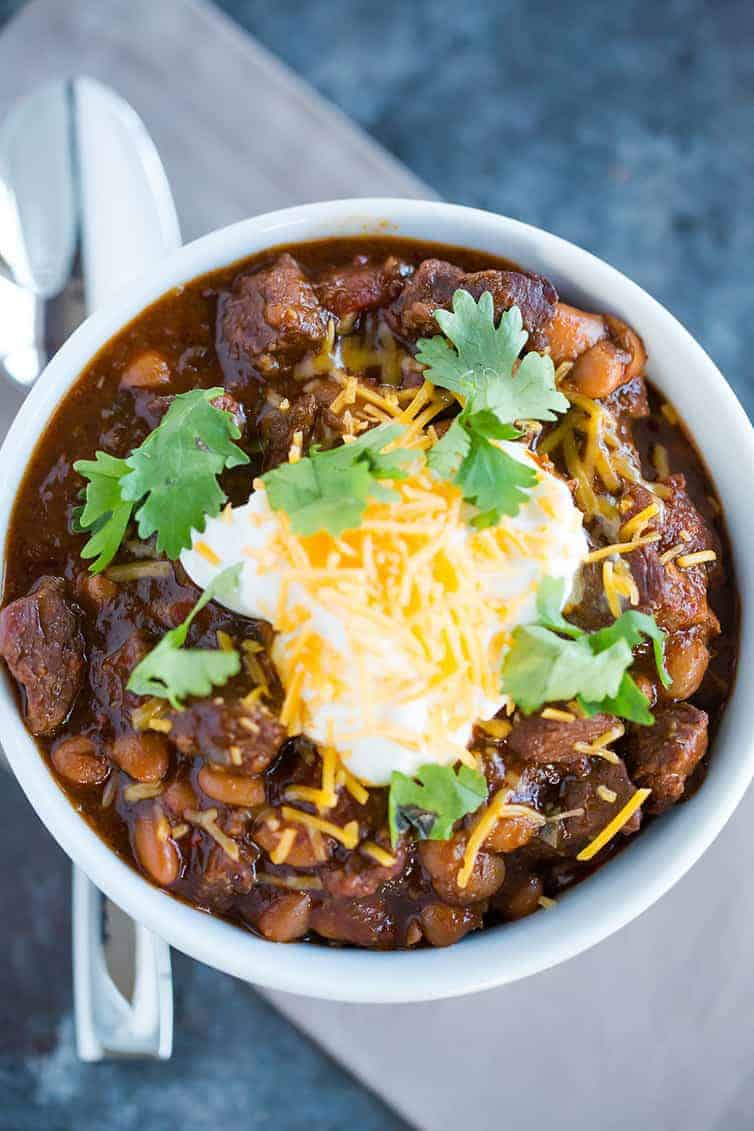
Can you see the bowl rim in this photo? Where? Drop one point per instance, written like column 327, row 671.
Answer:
column 598, row 906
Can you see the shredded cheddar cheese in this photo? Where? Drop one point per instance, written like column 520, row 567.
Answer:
column 348, row 835
column 381, row 855
column 621, row 548
column 686, row 561
column 499, row 807
column 415, row 575
column 617, row 823
column 558, row 716
column 207, row 819
column 281, row 851
column 635, row 526
column 294, row 883
column 207, row 552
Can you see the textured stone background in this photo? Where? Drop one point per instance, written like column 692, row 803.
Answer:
column 627, row 128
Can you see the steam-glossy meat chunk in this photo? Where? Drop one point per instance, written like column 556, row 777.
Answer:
column 227, row 732
column 535, row 739
column 433, row 284
column 41, row 642
column 270, row 317
column 359, row 286
column 663, row 756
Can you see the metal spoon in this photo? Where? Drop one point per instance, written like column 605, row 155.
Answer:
column 38, row 223
column 79, row 173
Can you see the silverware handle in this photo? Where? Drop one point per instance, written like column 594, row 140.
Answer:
column 128, row 222
column 107, row 1024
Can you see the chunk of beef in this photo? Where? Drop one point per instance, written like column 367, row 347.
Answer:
column 362, row 875
column 431, row 286
column 360, row 286
column 222, row 879
column 226, row 731
column 434, row 282
column 109, row 672
column 277, row 427
column 535, row 739
column 42, row 644
column 662, row 757
column 600, row 794
column 269, row 317
column 629, row 401
column 362, row 922
column 534, row 296
column 677, row 596
column 308, row 414
column 309, row 847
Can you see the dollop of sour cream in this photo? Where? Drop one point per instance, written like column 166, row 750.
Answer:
column 390, row 638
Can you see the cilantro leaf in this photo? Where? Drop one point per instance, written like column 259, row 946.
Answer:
column 541, row 667
column 446, row 456
column 492, row 479
column 550, row 597
column 175, row 470
column 173, row 672
column 105, row 513
column 477, row 359
column 632, row 626
column 330, row 490
column 433, row 801
column 630, row 703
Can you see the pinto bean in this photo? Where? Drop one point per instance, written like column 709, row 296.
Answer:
column 76, row 759
column 156, row 852
column 686, row 658
column 630, row 342
column 443, row 860
column 286, row 918
column 525, row 898
column 96, row 590
column 605, row 351
column 231, row 789
column 144, row 757
column 572, row 331
column 443, row 925
column 599, row 370
column 148, row 370
column 511, row 833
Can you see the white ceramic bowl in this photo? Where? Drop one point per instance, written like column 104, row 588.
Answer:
column 618, row 892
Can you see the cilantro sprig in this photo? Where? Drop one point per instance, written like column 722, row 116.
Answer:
column 329, row 490
column 173, row 672
column 475, row 359
column 172, row 475
column 433, row 801
column 592, row 667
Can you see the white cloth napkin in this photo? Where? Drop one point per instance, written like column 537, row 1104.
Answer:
column 651, row 1028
